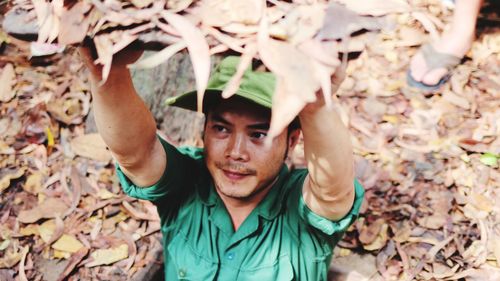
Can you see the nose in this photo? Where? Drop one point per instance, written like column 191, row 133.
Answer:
column 236, row 149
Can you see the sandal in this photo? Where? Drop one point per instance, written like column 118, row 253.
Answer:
column 434, row 60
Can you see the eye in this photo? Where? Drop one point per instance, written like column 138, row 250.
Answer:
column 219, row 129
column 258, row 135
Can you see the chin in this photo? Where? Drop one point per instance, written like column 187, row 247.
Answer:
column 236, row 191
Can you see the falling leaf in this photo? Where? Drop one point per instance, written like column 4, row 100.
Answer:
column 7, row 80
column 67, row 243
column 159, row 57
column 91, row 146
column 199, row 51
column 74, row 24
column 243, row 65
column 296, row 84
column 108, row 256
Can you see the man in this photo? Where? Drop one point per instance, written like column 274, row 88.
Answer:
column 233, row 211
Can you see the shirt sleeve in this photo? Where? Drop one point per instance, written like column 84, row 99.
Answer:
column 173, row 177
column 328, row 226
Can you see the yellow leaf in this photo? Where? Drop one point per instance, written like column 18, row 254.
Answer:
column 31, row 229
column 380, row 241
column 33, row 183
column 105, row 194
column 61, row 254
column 108, row 256
column 67, row 243
column 481, row 202
column 46, row 230
column 393, row 119
column 7, row 79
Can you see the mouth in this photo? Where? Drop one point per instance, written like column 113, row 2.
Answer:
column 233, row 175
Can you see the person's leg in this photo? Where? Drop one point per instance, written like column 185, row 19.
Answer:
column 455, row 41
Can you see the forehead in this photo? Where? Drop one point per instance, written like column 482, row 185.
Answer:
column 240, row 108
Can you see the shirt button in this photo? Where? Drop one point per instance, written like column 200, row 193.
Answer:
column 182, row 273
column 230, row 256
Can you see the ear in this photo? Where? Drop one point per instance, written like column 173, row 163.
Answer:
column 293, row 139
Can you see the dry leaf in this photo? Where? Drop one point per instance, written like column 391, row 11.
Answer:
column 7, row 80
column 199, row 51
column 108, row 256
column 159, row 57
column 296, row 82
column 50, row 208
column 340, row 22
column 6, row 175
column 376, row 7
column 91, row 146
column 33, row 183
column 74, row 24
column 67, row 243
column 222, row 12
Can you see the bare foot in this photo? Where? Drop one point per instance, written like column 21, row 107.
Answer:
column 452, row 43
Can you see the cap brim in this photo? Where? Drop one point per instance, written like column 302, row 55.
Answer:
column 188, row 100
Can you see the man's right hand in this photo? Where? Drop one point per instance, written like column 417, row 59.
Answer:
column 127, row 56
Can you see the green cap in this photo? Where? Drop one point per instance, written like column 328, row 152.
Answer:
column 255, row 86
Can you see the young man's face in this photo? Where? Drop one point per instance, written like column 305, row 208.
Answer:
column 239, row 162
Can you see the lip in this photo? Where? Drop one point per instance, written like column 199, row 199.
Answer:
column 234, row 175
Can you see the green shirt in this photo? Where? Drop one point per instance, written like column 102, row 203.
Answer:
column 281, row 239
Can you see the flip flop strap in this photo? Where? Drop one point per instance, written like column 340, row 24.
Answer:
column 435, row 59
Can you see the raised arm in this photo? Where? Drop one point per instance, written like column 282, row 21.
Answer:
column 124, row 121
column 329, row 188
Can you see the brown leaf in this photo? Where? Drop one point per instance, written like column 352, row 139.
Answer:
column 22, row 274
column 369, row 233
column 50, row 208
column 159, row 57
column 74, row 24
column 376, row 7
column 245, row 62
column 341, row 22
column 108, row 256
column 6, row 175
column 199, row 51
column 296, row 82
column 75, row 259
column 91, row 146
column 7, row 80
column 301, row 23
column 219, row 13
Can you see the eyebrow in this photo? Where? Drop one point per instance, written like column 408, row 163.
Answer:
column 257, row 126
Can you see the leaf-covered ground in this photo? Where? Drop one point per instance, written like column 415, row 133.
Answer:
column 429, row 165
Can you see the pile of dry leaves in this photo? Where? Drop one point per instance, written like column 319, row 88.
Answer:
column 272, row 31
column 429, row 164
